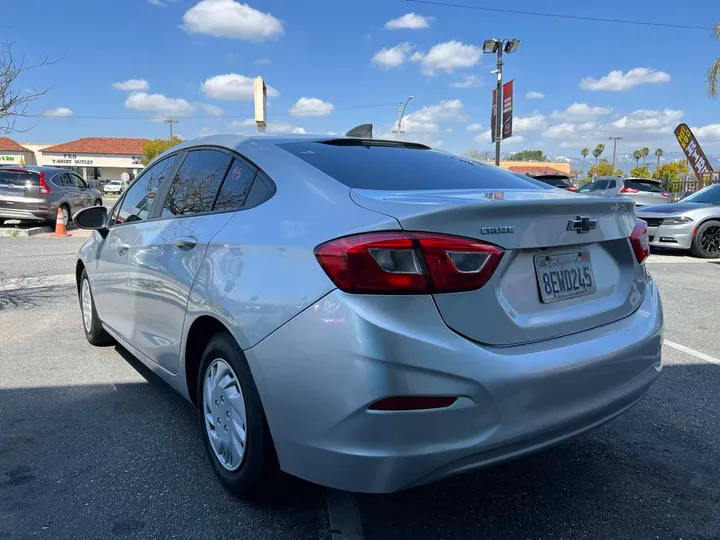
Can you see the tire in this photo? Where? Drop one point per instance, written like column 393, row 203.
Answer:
column 98, row 202
column 706, row 242
column 255, row 474
column 94, row 332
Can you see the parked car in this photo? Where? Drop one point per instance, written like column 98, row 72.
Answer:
column 556, row 180
column 370, row 315
column 35, row 193
column 115, row 187
column 644, row 191
column 693, row 223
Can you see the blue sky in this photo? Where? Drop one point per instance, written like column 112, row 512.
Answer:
column 191, row 59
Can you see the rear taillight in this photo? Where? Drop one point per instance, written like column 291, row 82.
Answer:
column 572, row 188
column 629, row 190
column 665, row 194
column 407, row 263
column 640, row 241
column 44, row 188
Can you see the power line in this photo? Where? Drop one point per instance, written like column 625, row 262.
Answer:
column 558, row 15
column 205, row 117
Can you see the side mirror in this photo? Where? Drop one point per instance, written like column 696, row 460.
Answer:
column 93, row 218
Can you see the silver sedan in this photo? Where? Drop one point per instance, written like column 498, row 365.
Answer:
column 371, row 315
column 693, row 223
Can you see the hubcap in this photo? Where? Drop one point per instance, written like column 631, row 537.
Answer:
column 86, row 299
column 225, row 416
column 65, row 215
column 710, row 240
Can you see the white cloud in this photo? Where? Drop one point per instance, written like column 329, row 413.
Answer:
column 447, row 57
column 132, row 85
column 559, row 131
column 205, row 132
column 474, row 127
column 617, row 81
column 515, row 139
column 410, row 21
column 262, row 61
column 249, row 125
column 58, row 112
column 534, row 95
column 446, row 111
column 486, row 138
column 392, row 57
column 158, row 103
column 711, row 131
column 581, row 111
column 448, row 130
column 231, row 19
column 647, row 120
column 160, row 2
column 306, row 106
column 212, row 110
column 468, row 81
column 534, row 122
column 232, row 86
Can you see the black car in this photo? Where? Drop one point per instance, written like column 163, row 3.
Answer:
column 556, row 180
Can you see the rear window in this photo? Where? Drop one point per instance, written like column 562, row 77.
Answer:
column 644, row 185
column 387, row 166
column 17, row 178
column 602, row 185
column 557, row 181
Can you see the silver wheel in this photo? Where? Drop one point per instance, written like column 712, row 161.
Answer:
column 86, row 299
column 224, row 412
column 65, row 214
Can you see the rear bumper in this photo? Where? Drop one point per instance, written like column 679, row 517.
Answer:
column 29, row 215
column 671, row 236
column 317, row 375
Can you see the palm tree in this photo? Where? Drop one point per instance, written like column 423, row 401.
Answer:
column 658, row 154
column 637, row 154
column 712, row 78
column 584, row 152
column 597, row 152
column 644, row 152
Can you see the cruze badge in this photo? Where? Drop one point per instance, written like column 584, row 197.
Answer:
column 507, row 229
column 582, row 224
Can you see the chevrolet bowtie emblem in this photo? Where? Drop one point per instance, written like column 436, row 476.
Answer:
column 582, row 224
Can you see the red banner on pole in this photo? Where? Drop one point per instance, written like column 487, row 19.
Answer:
column 507, row 111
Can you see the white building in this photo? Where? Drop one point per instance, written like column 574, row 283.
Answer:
column 94, row 157
column 11, row 153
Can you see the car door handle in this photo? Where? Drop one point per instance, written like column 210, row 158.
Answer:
column 186, row 243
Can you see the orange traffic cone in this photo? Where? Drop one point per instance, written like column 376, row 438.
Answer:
column 60, row 230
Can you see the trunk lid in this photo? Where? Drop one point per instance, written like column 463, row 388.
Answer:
column 19, row 189
column 539, row 229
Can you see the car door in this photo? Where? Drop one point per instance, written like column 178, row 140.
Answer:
column 85, row 193
column 71, row 192
column 110, row 272
column 166, row 257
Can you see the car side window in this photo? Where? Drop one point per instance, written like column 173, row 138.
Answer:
column 235, row 188
column 613, row 184
column 79, row 182
column 262, row 189
column 139, row 197
column 196, row 183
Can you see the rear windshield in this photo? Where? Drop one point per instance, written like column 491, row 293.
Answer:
column 370, row 165
column 18, row 178
column 557, row 181
column 644, row 185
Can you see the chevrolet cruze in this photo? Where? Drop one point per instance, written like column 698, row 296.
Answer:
column 371, row 315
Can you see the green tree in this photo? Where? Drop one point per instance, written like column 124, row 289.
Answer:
column 640, row 172
column 597, row 152
column 636, row 156
column 644, row 152
column 713, row 73
column 673, row 171
column 658, row 154
column 528, row 155
column 603, row 168
column 584, row 152
column 154, row 147
column 619, row 172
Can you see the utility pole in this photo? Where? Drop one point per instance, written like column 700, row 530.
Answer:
column 614, row 140
column 401, row 113
column 497, row 46
column 171, row 122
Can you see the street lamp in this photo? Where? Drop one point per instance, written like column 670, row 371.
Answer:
column 401, row 113
column 496, row 46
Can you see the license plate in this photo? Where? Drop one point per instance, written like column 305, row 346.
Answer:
column 564, row 275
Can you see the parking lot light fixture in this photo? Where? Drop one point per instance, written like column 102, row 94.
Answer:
column 491, row 45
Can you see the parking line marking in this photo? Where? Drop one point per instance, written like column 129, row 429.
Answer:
column 693, row 352
column 345, row 521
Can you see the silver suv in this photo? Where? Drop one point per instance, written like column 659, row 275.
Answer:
column 36, row 193
column 644, row 191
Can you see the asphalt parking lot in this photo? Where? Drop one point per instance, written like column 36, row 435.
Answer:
column 94, row 446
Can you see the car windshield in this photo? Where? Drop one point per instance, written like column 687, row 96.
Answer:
column 387, row 165
column 709, row 195
column 644, row 185
column 557, row 181
column 586, row 187
column 599, row 185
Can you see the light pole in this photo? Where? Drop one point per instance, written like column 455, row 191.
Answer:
column 497, row 46
column 401, row 113
column 614, row 140
column 171, row 122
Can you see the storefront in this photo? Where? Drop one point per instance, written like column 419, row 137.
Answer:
column 96, row 158
column 11, row 153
